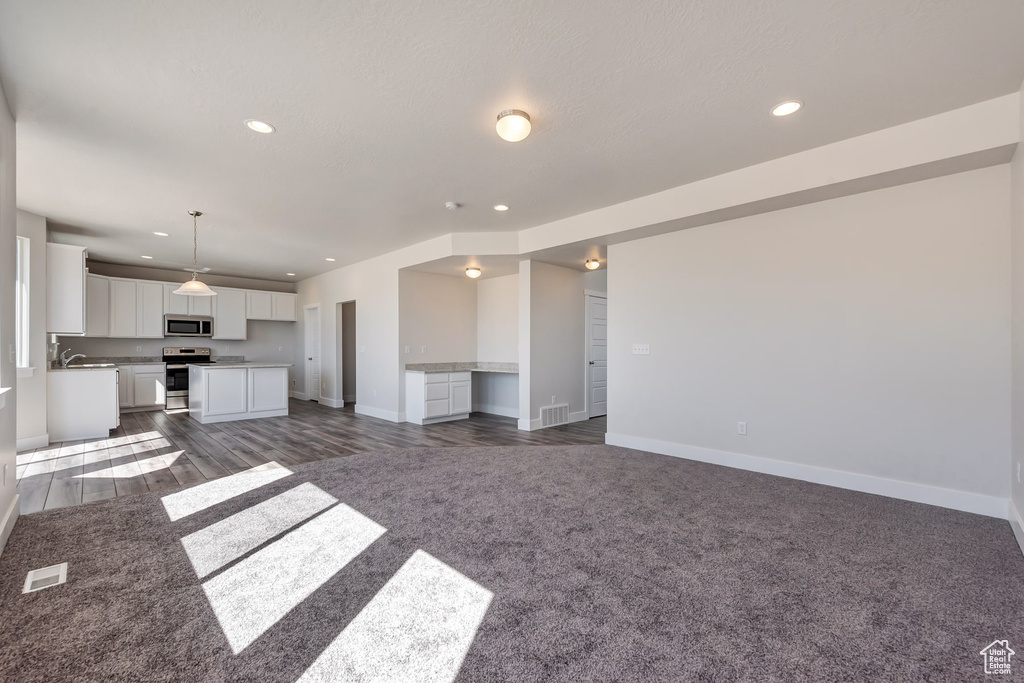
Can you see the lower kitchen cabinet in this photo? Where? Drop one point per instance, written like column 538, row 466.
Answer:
column 81, row 403
column 142, row 387
column 243, row 391
column 438, row 396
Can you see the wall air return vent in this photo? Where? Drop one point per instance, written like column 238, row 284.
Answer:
column 554, row 415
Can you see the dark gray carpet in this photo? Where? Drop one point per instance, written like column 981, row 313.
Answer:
column 605, row 564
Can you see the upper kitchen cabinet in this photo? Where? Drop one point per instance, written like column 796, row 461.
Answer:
column 178, row 304
column 270, row 306
column 65, row 289
column 229, row 308
column 97, row 306
column 124, row 318
column 149, row 310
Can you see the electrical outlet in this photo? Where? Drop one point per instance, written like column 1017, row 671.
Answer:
column 423, row 349
column 293, row 384
column 641, row 349
column 552, row 399
column 138, row 348
column 741, row 428
column 280, row 348
column 407, row 349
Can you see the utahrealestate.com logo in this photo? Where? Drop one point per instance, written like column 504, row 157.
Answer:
column 997, row 657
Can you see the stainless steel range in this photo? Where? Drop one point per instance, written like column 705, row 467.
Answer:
column 178, row 359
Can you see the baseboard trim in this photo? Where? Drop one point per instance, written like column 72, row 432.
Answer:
column 1017, row 524
column 331, row 402
column 10, row 517
column 299, row 395
column 388, row 415
column 503, row 411
column 990, row 506
column 32, row 442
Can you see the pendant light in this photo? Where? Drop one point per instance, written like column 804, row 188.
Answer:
column 194, row 287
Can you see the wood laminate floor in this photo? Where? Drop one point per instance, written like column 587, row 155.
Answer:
column 157, row 450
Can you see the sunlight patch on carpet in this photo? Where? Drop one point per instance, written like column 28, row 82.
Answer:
column 191, row 501
column 253, row 595
column 217, row 545
column 418, row 627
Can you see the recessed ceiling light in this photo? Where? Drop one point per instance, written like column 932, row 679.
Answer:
column 161, row 234
column 147, row 257
column 787, row 108
column 473, row 272
column 500, row 207
column 329, row 259
column 259, row 126
column 290, row 274
column 513, row 125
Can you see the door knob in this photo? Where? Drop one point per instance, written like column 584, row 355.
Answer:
column 310, row 358
column 591, row 362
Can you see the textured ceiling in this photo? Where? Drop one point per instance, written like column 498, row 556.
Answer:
column 130, row 113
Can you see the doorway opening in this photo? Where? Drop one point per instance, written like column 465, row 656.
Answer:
column 312, row 319
column 346, row 339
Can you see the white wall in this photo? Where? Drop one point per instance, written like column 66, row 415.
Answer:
column 497, row 319
column 551, row 326
column 32, row 388
column 1017, row 256
column 596, row 280
column 867, row 335
column 8, row 400
column 437, row 312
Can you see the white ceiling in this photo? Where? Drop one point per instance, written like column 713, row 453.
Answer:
column 131, row 113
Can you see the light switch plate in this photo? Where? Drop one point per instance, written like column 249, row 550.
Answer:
column 641, row 349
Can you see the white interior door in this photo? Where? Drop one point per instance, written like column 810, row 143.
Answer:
column 313, row 353
column 597, row 355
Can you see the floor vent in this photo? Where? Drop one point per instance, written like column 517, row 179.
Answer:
column 38, row 579
column 554, row 415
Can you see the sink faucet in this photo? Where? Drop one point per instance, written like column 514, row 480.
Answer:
column 64, row 361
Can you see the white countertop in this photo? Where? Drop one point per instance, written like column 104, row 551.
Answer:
column 472, row 366
column 240, row 364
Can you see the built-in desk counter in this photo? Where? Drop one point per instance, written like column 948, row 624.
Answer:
column 441, row 392
column 237, row 391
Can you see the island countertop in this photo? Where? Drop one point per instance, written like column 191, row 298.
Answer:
column 471, row 366
column 219, row 365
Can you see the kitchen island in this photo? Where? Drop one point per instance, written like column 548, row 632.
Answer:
column 223, row 392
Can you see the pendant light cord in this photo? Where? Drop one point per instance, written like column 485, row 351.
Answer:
column 195, row 245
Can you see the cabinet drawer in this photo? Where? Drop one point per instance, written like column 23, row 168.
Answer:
column 433, row 377
column 437, row 408
column 460, row 376
column 436, row 391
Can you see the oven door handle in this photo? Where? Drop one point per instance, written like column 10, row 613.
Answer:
column 176, row 366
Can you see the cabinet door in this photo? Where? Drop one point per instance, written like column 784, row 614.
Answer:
column 65, row 288
column 200, row 305
column 259, row 306
column 125, row 385
column 268, row 389
column 150, row 310
column 461, row 396
column 229, row 313
column 97, row 306
column 148, row 387
column 176, row 303
column 123, row 319
column 226, row 391
column 284, row 306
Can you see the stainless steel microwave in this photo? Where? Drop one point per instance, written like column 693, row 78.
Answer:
column 188, row 326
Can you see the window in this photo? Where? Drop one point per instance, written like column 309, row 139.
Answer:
column 21, row 315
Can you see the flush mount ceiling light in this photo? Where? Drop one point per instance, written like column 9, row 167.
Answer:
column 787, row 108
column 260, row 126
column 194, row 287
column 593, row 264
column 473, row 272
column 513, row 125
column 161, row 234
column 500, row 207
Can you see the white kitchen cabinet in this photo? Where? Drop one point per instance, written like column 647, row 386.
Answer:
column 149, row 310
column 229, row 313
column 284, row 306
column 123, row 308
column 179, row 304
column 270, row 306
column 222, row 393
column 438, row 396
column 65, row 289
column 142, row 386
column 97, row 306
column 81, row 403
